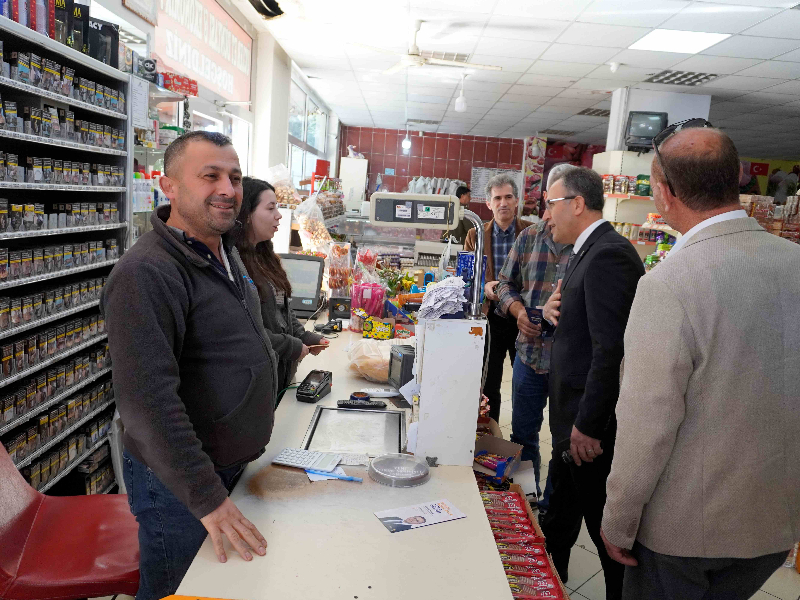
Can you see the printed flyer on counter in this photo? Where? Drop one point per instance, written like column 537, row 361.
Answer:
column 419, row 515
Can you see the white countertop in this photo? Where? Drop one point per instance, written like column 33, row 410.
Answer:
column 324, row 542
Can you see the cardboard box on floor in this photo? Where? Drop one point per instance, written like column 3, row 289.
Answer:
column 497, row 445
column 490, row 425
column 515, row 487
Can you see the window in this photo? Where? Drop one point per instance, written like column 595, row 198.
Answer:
column 308, row 132
column 316, row 126
column 297, row 112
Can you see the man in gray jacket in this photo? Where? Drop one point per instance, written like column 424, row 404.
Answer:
column 704, row 493
column 194, row 374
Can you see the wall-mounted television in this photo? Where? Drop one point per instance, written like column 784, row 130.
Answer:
column 642, row 127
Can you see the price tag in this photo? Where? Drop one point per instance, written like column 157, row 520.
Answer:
column 430, row 212
column 403, row 211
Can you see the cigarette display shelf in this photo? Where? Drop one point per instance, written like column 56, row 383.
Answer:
column 54, row 401
column 14, row 185
column 63, row 435
column 54, row 317
column 56, row 274
column 46, row 363
column 13, row 235
column 78, row 460
column 32, row 89
column 18, row 38
column 108, row 489
column 38, row 139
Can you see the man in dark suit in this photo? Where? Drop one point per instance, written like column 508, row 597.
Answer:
column 590, row 311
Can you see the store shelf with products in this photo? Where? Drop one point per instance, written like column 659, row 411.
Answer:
column 45, row 363
column 32, row 89
column 108, row 489
column 45, row 44
column 11, row 235
column 14, row 185
column 98, row 93
column 78, row 460
column 62, row 436
column 54, row 317
column 54, row 401
column 63, row 273
column 38, row 139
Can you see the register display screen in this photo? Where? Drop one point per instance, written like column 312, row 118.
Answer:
column 303, row 275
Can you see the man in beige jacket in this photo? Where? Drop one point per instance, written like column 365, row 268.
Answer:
column 704, row 492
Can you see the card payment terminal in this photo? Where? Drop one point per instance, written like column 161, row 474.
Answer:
column 315, row 386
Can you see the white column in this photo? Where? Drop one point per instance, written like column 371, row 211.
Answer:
column 271, row 104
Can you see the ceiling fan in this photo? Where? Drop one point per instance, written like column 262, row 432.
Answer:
column 413, row 58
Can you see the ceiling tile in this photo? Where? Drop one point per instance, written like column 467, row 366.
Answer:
column 481, row 93
column 736, row 82
column 608, row 85
column 732, row 108
column 593, row 34
column 717, row 94
column 793, row 56
column 546, row 80
column 774, row 68
column 768, row 98
column 510, row 65
column 720, row 65
column 546, row 9
column 535, row 90
column 563, row 110
column 431, row 90
column 752, row 47
column 478, row 6
column 523, row 99
column 496, row 76
column 791, row 87
column 490, row 86
column 578, row 53
column 624, row 72
column 642, row 13
column 562, row 69
column 511, row 48
column 572, row 102
column 517, row 106
column 522, row 28
column 475, row 103
column 648, row 58
column 305, row 61
column 784, row 25
column 718, row 18
column 594, row 95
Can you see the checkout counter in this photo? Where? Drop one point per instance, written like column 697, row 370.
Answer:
column 324, row 540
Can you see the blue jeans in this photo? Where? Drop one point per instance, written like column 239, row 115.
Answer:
column 528, row 397
column 169, row 535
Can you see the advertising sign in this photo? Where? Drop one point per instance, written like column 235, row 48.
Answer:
column 198, row 39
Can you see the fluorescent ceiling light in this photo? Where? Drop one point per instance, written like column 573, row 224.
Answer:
column 673, row 40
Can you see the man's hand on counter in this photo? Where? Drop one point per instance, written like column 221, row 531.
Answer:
column 319, row 347
column 227, row 520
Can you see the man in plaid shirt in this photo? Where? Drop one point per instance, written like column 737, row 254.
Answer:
column 529, row 275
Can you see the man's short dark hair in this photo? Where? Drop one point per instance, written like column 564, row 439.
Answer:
column 176, row 149
column 461, row 190
column 581, row 181
column 706, row 179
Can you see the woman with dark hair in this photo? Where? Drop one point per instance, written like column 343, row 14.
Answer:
column 259, row 218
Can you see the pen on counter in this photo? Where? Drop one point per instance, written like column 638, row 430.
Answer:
column 342, row 477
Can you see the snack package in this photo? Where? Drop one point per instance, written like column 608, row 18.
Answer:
column 313, row 234
column 339, row 270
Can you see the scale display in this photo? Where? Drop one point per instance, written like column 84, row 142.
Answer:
column 353, row 431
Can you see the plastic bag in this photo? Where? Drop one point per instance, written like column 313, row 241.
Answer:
column 370, row 358
column 280, row 178
column 339, row 270
column 368, row 296
column 313, row 233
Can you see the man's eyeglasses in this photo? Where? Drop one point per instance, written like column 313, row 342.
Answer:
column 668, row 132
column 549, row 202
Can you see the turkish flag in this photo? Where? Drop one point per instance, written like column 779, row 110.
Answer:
column 759, row 168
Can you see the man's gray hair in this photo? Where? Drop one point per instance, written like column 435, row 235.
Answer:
column 557, row 172
column 500, row 180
